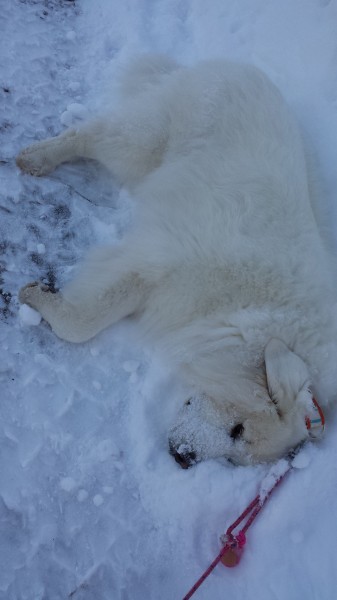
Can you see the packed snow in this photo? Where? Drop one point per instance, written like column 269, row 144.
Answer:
column 29, row 316
column 92, row 507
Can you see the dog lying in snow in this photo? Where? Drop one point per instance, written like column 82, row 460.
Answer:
column 224, row 267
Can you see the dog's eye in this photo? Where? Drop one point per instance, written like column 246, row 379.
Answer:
column 237, row 431
column 188, row 402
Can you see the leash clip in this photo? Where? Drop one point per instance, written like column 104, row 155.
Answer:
column 233, row 548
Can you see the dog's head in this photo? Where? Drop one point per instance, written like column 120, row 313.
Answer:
column 263, row 426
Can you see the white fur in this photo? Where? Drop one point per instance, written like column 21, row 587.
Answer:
column 224, row 266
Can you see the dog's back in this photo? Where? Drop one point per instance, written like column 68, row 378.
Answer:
column 228, row 206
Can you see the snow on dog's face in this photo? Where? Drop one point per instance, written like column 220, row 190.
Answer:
column 262, row 430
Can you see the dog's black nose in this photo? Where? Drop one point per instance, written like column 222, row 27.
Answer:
column 182, row 454
column 184, row 460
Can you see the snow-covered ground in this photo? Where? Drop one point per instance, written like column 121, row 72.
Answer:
column 92, row 507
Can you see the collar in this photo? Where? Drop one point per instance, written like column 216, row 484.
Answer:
column 315, row 422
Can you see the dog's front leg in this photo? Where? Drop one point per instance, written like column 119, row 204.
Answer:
column 78, row 321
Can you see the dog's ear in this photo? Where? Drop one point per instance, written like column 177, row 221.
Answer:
column 287, row 377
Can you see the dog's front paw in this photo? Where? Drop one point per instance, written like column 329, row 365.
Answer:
column 34, row 294
column 34, row 160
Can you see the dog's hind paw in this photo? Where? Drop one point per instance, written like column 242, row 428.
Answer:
column 35, row 160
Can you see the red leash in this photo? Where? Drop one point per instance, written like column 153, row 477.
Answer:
column 231, row 552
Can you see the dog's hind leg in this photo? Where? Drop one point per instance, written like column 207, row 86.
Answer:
column 130, row 143
column 43, row 157
column 77, row 317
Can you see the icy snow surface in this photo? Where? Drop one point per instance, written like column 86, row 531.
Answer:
column 92, row 507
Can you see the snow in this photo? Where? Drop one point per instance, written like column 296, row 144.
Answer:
column 68, row 484
column 92, row 507
column 302, row 459
column 75, row 112
column 28, row 315
column 275, row 474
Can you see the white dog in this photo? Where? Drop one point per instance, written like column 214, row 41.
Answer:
column 224, row 267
